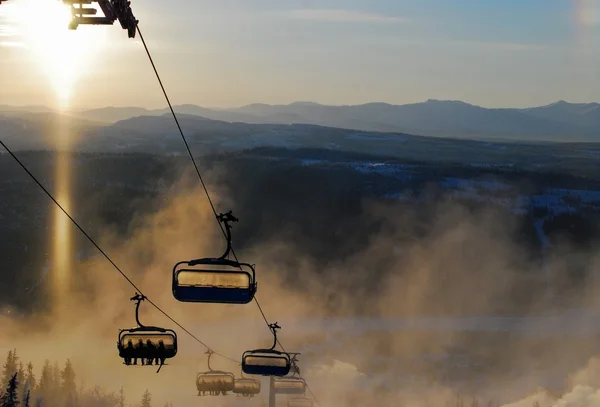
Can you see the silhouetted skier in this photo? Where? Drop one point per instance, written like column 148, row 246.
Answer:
column 128, row 352
column 161, row 353
column 139, row 352
column 150, row 352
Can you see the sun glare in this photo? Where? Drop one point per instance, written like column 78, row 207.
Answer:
column 61, row 54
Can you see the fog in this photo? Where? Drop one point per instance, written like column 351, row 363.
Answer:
column 449, row 261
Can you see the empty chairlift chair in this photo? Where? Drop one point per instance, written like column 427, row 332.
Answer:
column 214, row 382
column 267, row 362
column 245, row 387
column 215, row 280
column 289, row 385
column 149, row 344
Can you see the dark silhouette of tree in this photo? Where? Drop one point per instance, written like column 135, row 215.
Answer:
column 30, row 381
column 27, row 398
column 21, row 373
column 10, row 367
column 146, row 399
column 9, row 397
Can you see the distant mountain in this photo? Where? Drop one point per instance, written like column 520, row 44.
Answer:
column 560, row 121
column 40, row 131
column 112, row 114
column 581, row 114
column 432, row 118
column 16, row 109
column 159, row 135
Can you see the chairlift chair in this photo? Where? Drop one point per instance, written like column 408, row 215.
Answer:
column 215, row 280
column 267, row 362
column 292, row 385
column 246, row 387
column 299, row 402
column 289, row 385
column 147, row 343
column 214, row 382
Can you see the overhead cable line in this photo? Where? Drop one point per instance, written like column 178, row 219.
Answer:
column 197, row 168
column 106, row 256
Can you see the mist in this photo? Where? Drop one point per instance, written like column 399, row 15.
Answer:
column 424, row 311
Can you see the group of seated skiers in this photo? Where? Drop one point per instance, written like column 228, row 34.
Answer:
column 211, row 387
column 147, row 352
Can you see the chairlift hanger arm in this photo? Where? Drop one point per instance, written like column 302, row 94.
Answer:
column 274, row 327
column 225, row 219
column 138, row 298
column 209, row 353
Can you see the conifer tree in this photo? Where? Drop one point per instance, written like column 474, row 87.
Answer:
column 67, row 377
column 10, row 367
column 146, row 399
column 9, row 397
column 26, row 399
column 45, row 385
column 21, row 379
column 30, row 382
column 21, row 374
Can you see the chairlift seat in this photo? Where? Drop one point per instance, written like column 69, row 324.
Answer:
column 289, row 385
column 266, row 362
column 212, row 280
column 299, row 402
column 247, row 387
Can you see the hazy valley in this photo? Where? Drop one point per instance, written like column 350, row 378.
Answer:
column 368, row 224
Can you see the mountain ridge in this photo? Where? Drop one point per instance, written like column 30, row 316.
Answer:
column 557, row 121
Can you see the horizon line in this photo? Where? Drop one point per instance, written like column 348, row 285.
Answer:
column 76, row 109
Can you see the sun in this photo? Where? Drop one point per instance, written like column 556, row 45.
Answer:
column 63, row 55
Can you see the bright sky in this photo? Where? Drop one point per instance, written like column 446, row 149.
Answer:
column 225, row 53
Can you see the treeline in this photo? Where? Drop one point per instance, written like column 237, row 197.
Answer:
column 55, row 387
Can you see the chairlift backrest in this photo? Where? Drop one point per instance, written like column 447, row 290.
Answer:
column 266, row 363
column 132, row 342
column 215, row 381
column 246, row 386
column 214, row 281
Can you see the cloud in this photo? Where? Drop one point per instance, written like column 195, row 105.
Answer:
column 343, row 16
